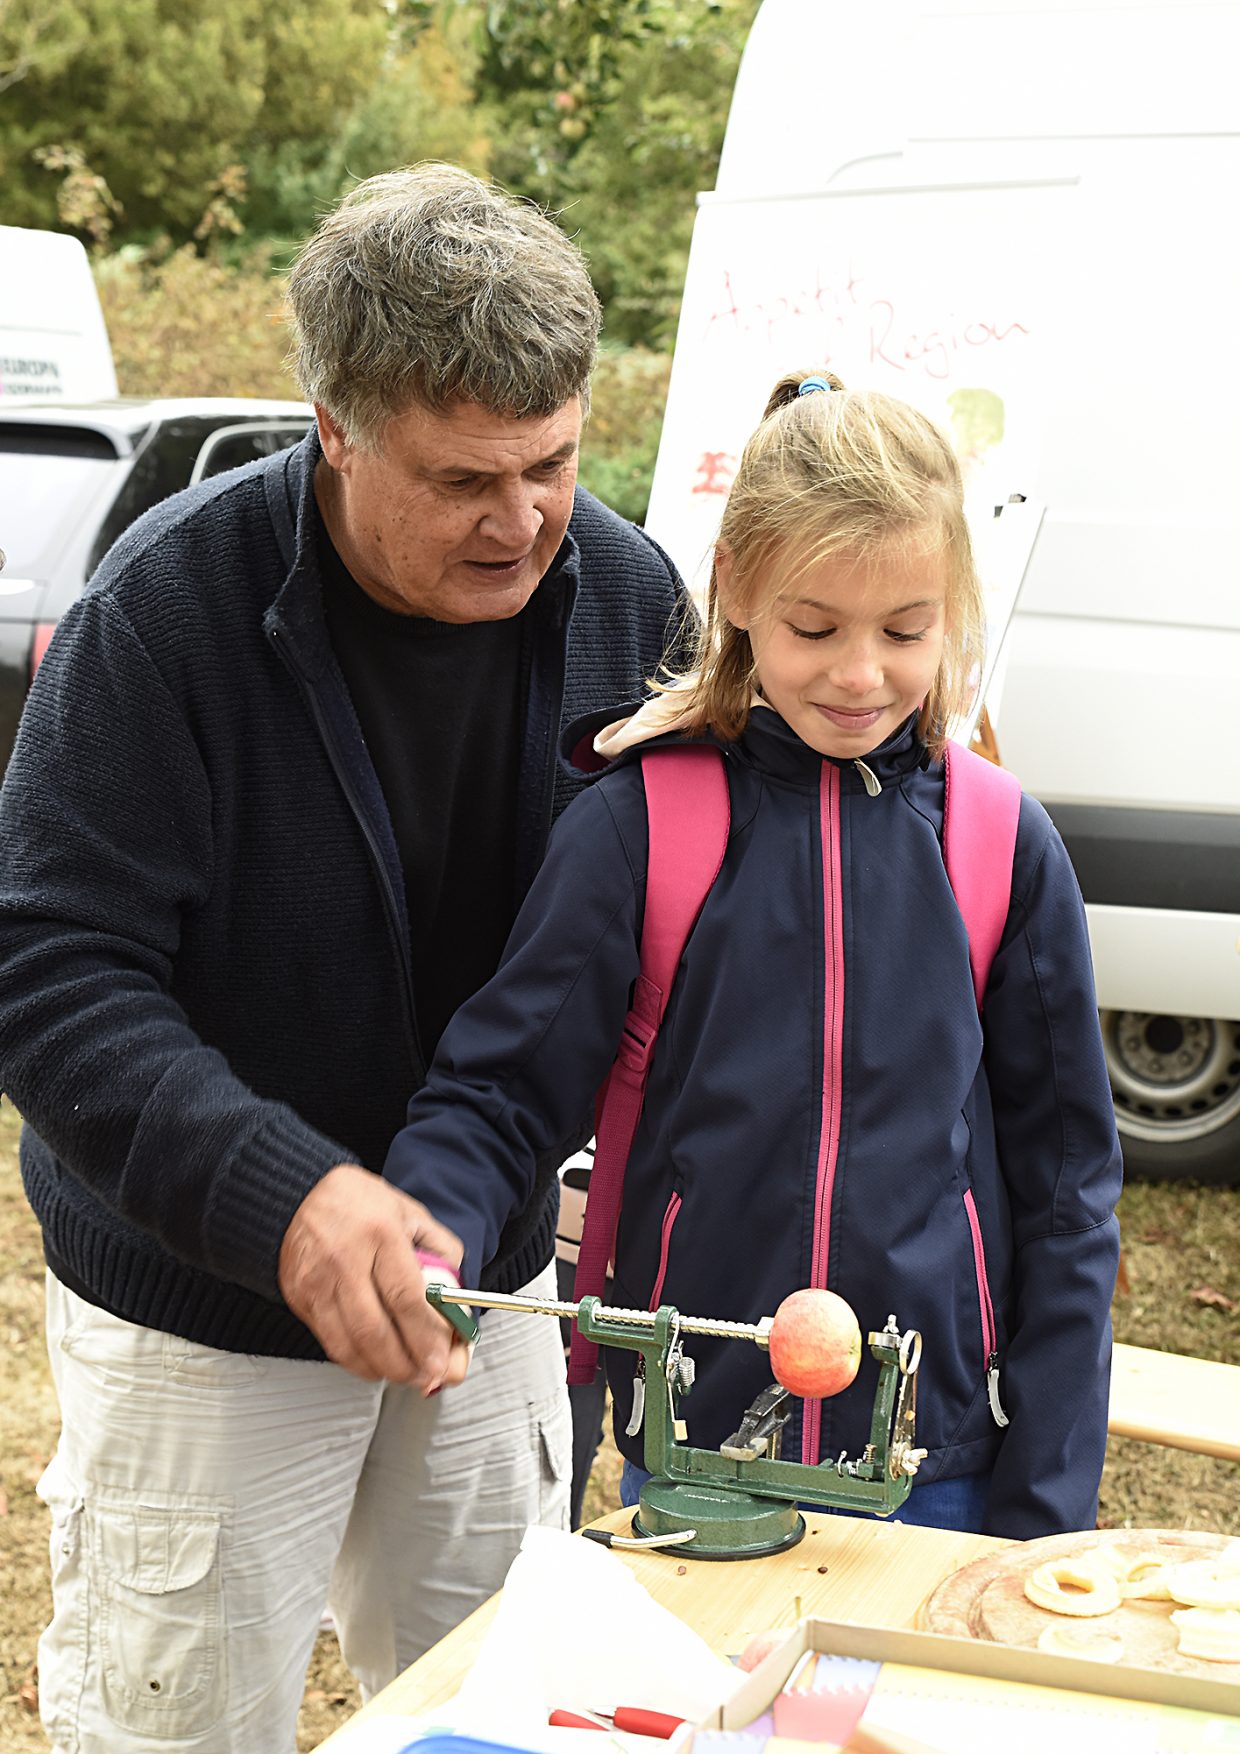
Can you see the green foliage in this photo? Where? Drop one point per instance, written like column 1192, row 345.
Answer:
column 134, row 120
column 193, row 326
column 420, row 106
column 613, row 113
column 84, row 203
column 631, row 188
column 160, row 101
column 37, row 36
column 200, row 142
column 621, row 438
column 554, row 66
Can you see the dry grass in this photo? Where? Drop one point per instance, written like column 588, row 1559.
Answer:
column 1182, row 1247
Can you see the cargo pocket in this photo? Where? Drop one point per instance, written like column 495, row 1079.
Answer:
column 555, row 1457
column 156, row 1574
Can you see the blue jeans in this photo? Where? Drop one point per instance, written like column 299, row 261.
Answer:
column 943, row 1504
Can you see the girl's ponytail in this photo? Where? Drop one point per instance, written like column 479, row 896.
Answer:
column 788, row 389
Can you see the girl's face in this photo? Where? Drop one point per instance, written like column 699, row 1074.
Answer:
column 846, row 649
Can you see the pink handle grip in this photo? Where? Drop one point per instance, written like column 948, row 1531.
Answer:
column 427, row 1259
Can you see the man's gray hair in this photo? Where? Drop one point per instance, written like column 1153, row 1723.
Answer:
column 426, row 286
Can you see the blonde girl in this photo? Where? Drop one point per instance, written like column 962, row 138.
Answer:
column 826, row 1104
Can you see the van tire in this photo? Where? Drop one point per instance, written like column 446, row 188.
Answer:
column 1176, row 1086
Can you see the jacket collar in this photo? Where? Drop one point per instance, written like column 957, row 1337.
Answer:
column 297, row 609
column 768, row 742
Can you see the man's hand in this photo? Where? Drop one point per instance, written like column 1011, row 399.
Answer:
column 349, row 1271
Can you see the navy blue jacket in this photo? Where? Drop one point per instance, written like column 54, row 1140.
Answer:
column 205, row 996
column 823, row 1108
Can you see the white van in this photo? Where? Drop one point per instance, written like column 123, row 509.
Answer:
column 53, row 342
column 1021, row 217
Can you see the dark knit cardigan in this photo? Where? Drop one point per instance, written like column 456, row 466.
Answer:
column 205, row 990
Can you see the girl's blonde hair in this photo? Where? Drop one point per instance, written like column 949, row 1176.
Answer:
column 840, row 472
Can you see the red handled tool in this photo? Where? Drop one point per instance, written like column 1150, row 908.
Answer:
column 636, row 1719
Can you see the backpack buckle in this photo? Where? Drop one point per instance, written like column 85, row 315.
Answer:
column 637, row 1039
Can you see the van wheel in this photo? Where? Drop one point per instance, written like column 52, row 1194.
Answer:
column 1176, row 1085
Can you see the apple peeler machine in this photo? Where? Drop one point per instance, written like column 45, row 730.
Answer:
column 741, row 1500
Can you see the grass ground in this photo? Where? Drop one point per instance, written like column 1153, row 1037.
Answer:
column 1182, row 1251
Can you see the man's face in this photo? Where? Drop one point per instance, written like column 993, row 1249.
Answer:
column 458, row 515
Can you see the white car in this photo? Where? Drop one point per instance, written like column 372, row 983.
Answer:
column 72, row 477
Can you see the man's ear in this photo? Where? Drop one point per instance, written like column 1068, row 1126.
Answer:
column 331, row 436
column 727, row 596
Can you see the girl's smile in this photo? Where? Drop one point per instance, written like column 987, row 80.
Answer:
column 851, row 721
column 847, row 649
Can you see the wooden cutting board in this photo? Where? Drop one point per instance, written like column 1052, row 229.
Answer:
column 987, row 1600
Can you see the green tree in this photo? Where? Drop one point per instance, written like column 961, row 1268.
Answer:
column 630, row 190
column 193, row 325
column 612, row 112
column 552, row 67
column 421, row 105
column 621, row 439
column 36, row 35
column 161, row 102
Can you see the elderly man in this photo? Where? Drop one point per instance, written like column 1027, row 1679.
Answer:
column 284, row 777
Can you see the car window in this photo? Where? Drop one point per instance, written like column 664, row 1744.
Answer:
column 161, row 466
column 49, row 476
column 37, row 439
column 232, row 446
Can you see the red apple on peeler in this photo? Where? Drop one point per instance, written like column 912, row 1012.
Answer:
column 815, row 1344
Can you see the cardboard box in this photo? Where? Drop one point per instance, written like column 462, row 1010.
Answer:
column 970, row 1657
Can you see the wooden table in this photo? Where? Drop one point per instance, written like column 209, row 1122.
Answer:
column 1189, row 1403
column 845, row 1569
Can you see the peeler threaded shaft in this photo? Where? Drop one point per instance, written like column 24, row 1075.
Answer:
column 758, row 1332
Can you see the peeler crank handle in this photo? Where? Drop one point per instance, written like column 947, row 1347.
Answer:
column 465, row 1324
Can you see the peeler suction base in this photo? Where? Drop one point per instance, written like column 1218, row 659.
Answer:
column 728, row 1524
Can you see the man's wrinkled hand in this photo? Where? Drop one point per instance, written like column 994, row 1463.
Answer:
column 349, row 1270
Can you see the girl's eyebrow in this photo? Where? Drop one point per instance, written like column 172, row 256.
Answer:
column 828, row 609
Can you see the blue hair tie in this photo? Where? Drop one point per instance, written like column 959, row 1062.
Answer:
column 807, row 386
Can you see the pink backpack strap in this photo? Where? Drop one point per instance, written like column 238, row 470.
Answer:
column 689, row 813
column 981, row 809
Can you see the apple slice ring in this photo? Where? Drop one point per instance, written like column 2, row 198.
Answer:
column 1074, row 1586
column 1212, row 1635
column 1142, row 1576
column 1204, row 1583
column 1077, row 1640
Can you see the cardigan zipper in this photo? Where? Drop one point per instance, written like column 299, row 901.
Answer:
column 391, row 906
column 832, row 1058
column 544, row 662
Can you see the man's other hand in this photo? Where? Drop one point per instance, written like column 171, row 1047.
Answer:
column 349, row 1270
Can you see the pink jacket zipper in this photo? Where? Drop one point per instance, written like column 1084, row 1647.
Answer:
column 665, row 1243
column 832, row 1058
column 990, row 1333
